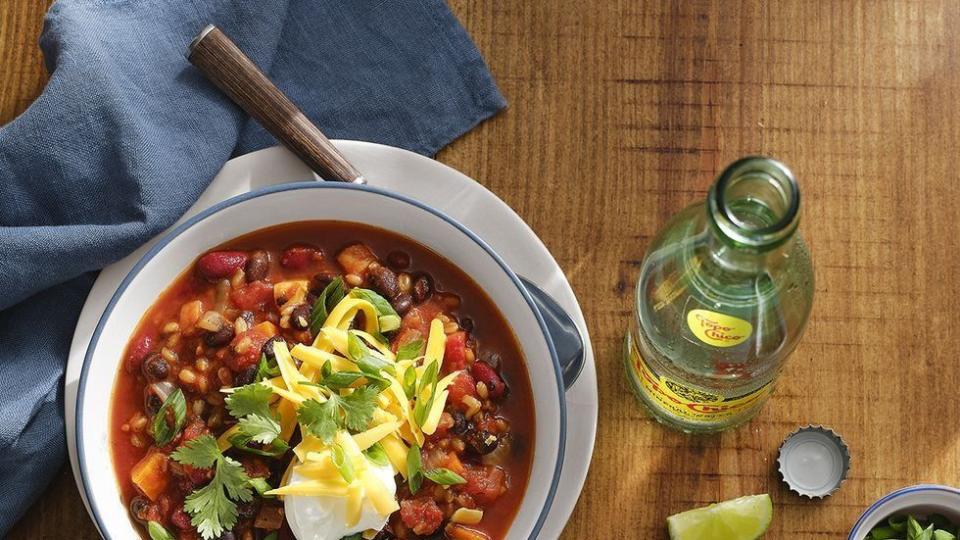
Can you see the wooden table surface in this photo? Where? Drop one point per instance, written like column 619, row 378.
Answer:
column 620, row 115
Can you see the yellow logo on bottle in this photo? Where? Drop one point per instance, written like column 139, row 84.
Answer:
column 718, row 329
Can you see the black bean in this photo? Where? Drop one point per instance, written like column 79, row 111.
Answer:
column 247, row 510
column 383, row 280
column 267, row 348
column 140, row 508
column 300, row 317
column 402, row 303
column 398, row 260
column 258, row 266
column 248, row 318
column 228, row 535
column 460, row 423
column 155, row 368
column 422, row 288
column 480, row 441
column 152, row 403
column 219, row 338
column 246, row 376
column 320, row 281
column 467, row 324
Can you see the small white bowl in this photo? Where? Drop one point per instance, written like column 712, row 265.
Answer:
column 920, row 501
column 299, row 202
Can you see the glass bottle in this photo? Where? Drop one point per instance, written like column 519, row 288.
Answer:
column 723, row 297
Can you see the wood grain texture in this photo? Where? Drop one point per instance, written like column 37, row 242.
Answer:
column 620, row 115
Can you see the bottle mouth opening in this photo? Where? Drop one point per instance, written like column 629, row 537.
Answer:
column 755, row 203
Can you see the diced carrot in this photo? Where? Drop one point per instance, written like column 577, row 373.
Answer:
column 150, row 475
column 455, row 531
column 266, row 328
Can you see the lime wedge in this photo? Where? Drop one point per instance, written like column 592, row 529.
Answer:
column 746, row 518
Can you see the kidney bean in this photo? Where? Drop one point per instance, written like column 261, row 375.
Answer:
column 480, row 441
column 484, row 372
column 219, row 338
column 180, row 519
column 152, row 403
column 383, row 280
column 139, row 352
column 155, row 368
column 140, row 509
column 298, row 257
column 402, row 303
column 258, row 266
column 460, row 423
column 218, row 265
column 246, row 376
column 267, row 348
column 422, row 288
column 300, row 317
column 320, row 281
column 398, row 260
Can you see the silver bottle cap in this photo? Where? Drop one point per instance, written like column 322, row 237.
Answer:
column 814, row 461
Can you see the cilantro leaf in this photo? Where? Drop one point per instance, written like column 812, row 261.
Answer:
column 377, row 455
column 250, row 399
column 276, row 448
column 261, row 429
column 320, row 419
column 342, row 462
column 342, row 379
column 266, row 369
column 444, row 477
column 414, row 469
column 201, row 452
column 213, row 507
column 358, row 407
column 175, row 405
column 332, row 294
column 410, row 350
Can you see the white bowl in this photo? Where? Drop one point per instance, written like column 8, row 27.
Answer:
column 287, row 203
column 920, row 501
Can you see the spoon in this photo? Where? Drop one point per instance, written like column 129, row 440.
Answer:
column 219, row 58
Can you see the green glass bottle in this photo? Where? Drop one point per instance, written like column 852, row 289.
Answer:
column 723, row 297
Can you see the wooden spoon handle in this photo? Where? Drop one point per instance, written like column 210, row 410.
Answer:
column 219, row 58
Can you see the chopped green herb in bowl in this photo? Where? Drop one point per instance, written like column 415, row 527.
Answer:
column 935, row 527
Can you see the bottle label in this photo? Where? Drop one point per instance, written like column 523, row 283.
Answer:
column 689, row 403
column 718, row 329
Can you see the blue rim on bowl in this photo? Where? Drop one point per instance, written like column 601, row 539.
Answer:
column 147, row 257
column 903, row 492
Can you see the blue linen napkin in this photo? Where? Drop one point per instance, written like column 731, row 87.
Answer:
column 127, row 135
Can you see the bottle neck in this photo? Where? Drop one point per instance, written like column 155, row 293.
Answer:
column 753, row 213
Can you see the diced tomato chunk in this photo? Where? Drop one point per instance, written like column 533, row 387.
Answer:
column 454, row 356
column 422, row 515
column 141, row 348
column 484, row 483
column 463, row 385
column 299, row 257
column 246, row 349
column 484, row 372
column 220, row 264
column 356, row 258
column 253, row 296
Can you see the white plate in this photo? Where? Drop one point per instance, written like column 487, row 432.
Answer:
column 446, row 190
